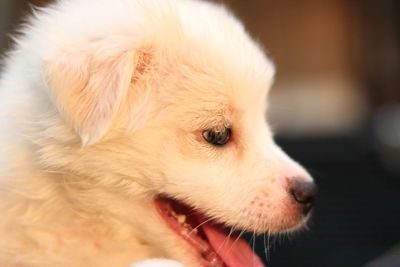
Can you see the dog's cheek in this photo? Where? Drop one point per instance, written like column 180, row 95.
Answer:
column 189, row 164
column 214, row 180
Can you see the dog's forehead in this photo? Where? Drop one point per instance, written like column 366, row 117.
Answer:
column 226, row 81
column 212, row 69
column 216, row 88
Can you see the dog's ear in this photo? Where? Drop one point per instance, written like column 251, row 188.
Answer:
column 88, row 85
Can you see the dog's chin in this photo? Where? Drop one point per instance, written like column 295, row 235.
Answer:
column 293, row 225
column 207, row 243
column 296, row 221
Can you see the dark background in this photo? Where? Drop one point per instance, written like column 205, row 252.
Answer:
column 335, row 107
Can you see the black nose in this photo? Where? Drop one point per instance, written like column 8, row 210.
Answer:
column 303, row 193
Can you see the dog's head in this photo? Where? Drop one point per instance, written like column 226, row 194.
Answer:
column 177, row 109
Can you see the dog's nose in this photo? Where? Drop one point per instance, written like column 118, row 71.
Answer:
column 303, row 193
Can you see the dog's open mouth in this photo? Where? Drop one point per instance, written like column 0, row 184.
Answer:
column 216, row 246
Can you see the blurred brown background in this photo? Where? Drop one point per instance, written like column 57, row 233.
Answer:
column 336, row 108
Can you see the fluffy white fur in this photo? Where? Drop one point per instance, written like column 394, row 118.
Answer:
column 103, row 103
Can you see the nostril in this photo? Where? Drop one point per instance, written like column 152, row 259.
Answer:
column 304, row 193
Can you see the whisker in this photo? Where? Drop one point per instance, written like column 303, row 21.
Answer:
column 265, row 246
column 268, row 248
column 194, row 229
column 254, row 244
column 226, row 238
column 237, row 238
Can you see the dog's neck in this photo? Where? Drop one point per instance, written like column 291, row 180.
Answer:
column 76, row 210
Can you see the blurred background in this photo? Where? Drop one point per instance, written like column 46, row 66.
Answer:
column 335, row 108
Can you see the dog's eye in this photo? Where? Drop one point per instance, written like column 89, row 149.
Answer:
column 217, row 136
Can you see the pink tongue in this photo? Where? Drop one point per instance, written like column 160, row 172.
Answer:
column 233, row 251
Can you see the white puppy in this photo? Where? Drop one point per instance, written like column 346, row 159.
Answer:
column 136, row 129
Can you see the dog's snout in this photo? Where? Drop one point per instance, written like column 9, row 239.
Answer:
column 303, row 193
